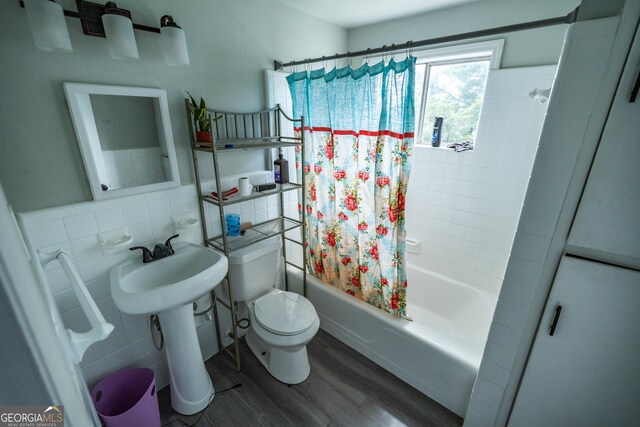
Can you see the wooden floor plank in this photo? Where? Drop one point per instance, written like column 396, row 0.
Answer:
column 344, row 389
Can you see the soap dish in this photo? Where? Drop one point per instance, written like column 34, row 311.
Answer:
column 118, row 242
column 186, row 224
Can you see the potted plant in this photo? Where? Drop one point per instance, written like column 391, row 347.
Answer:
column 201, row 121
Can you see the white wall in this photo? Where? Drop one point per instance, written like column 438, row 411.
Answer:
column 230, row 43
column 522, row 49
column 464, row 206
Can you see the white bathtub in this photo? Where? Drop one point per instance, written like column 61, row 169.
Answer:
column 438, row 353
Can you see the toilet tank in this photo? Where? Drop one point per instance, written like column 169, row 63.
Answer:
column 253, row 269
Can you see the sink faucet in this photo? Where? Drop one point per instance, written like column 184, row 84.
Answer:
column 161, row 250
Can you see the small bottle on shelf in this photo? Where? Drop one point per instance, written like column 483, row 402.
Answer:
column 281, row 170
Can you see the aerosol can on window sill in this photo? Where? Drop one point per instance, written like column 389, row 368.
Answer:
column 437, row 131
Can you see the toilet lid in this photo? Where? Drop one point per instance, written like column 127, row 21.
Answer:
column 284, row 313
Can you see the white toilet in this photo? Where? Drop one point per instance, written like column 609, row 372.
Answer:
column 282, row 323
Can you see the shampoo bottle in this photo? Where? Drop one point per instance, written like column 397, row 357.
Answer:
column 437, row 130
column 281, row 170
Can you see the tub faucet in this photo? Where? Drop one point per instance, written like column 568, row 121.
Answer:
column 161, row 250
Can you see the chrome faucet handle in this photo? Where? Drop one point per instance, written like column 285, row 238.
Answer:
column 147, row 256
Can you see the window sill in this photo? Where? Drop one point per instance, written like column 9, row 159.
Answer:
column 442, row 147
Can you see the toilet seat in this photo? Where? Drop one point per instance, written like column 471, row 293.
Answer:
column 284, row 313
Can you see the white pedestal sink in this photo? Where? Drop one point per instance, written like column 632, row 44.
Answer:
column 168, row 287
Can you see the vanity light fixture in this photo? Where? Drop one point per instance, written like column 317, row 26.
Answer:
column 118, row 29
column 174, row 44
column 49, row 29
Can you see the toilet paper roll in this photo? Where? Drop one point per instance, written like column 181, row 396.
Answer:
column 245, row 187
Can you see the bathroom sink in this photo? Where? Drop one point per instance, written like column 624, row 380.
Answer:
column 161, row 285
column 167, row 287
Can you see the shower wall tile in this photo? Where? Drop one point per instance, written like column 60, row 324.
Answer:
column 574, row 120
column 479, row 419
column 76, row 229
column 464, row 206
column 486, row 407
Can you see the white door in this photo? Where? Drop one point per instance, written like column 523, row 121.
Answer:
column 588, row 372
column 607, row 224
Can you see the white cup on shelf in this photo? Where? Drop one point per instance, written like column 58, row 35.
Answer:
column 244, row 187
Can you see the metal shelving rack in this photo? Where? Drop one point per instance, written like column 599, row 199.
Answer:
column 247, row 131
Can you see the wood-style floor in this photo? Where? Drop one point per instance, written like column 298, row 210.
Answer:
column 344, row 389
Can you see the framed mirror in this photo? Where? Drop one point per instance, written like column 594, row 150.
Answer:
column 125, row 138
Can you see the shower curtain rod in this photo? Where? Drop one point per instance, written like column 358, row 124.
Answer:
column 570, row 18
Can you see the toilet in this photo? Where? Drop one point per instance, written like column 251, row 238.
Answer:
column 281, row 323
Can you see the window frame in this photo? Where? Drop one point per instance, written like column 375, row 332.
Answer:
column 454, row 54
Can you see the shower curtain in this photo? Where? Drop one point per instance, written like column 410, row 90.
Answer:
column 359, row 128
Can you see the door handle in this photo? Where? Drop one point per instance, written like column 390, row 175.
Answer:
column 554, row 323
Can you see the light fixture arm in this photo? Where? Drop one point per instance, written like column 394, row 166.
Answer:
column 167, row 21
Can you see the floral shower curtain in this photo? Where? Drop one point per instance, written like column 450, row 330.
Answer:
column 359, row 128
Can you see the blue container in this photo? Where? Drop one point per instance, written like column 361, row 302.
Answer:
column 233, row 224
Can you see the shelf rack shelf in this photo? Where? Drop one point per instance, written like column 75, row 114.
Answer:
column 232, row 132
column 247, row 144
column 280, row 188
column 255, row 234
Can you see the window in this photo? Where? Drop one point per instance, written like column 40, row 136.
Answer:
column 450, row 83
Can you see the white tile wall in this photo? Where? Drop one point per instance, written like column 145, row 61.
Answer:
column 577, row 111
column 149, row 219
column 464, row 206
column 77, row 228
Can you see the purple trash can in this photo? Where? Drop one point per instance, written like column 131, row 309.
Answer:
column 127, row 399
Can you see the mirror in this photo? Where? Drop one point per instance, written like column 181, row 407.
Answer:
column 125, row 138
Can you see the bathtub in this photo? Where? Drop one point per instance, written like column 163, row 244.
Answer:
column 438, row 352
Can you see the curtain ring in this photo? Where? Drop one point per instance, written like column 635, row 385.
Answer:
column 392, row 51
